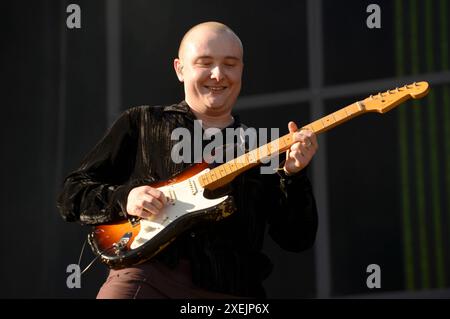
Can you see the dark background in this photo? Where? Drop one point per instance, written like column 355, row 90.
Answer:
column 387, row 177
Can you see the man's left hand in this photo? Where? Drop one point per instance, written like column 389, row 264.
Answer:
column 300, row 153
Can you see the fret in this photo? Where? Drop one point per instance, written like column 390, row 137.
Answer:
column 350, row 110
column 257, row 153
column 261, row 152
column 314, row 125
column 268, row 149
column 239, row 161
column 202, row 180
column 329, row 121
column 256, row 156
column 275, row 145
column 223, row 168
column 233, row 166
column 338, row 116
column 264, row 151
column 251, row 157
column 272, row 146
column 321, row 123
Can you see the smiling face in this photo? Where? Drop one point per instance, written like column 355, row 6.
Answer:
column 210, row 66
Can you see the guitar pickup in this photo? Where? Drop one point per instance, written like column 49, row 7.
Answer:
column 172, row 196
column 193, row 187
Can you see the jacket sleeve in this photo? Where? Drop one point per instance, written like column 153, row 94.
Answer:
column 292, row 214
column 97, row 191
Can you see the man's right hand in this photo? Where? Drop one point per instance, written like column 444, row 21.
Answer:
column 144, row 201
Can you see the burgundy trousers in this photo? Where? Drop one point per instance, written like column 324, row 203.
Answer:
column 153, row 280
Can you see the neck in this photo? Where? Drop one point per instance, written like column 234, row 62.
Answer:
column 217, row 121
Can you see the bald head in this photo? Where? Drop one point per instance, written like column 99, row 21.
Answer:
column 210, row 66
column 205, row 29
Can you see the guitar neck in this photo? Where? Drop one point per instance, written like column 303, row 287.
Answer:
column 225, row 173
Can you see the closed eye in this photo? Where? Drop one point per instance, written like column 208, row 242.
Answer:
column 230, row 61
column 204, row 62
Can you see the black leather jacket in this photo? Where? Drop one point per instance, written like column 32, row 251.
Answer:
column 225, row 256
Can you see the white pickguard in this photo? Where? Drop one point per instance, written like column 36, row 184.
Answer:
column 184, row 197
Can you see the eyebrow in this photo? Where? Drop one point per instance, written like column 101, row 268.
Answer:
column 210, row 57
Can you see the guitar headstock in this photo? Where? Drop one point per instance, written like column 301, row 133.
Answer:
column 385, row 101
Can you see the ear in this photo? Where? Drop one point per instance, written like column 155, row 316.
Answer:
column 178, row 66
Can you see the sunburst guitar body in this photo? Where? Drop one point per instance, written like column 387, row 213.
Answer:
column 134, row 241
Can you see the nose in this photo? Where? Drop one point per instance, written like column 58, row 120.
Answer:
column 217, row 73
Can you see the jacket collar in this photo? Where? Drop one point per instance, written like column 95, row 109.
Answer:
column 184, row 108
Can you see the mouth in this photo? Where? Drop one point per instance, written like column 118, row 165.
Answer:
column 215, row 88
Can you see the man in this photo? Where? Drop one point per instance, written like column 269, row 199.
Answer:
column 217, row 260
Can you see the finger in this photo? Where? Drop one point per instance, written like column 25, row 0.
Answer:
column 300, row 136
column 303, row 138
column 314, row 141
column 158, row 195
column 141, row 212
column 304, row 154
column 301, row 148
column 305, row 150
column 312, row 138
column 152, row 200
column 307, row 143
column 150, row 208
column 297, row 157
column 296, row 147
column 292, row 127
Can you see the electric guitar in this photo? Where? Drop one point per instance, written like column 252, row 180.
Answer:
column 129, row 242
